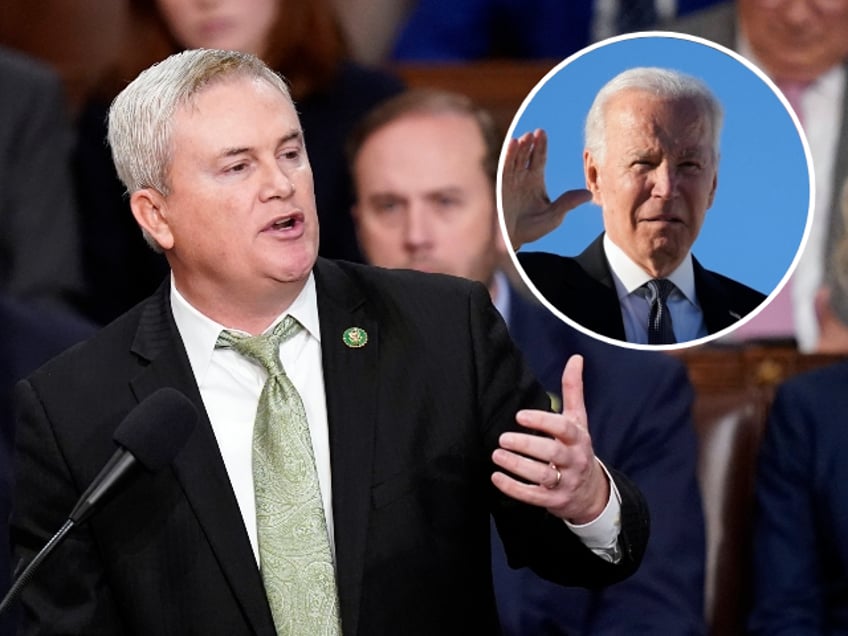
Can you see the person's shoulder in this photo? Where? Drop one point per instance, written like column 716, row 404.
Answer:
column 739, row 292
column 102, row 347
column 19, row 69
column 34, row 334
column 547, row 264
column 827, row 380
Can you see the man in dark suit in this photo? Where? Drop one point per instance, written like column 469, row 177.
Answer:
column 800, row 557
column 424, row 166
column 651, row 163
column 40, row 257
column 421, row 418
column 803, row 48
column 800, row 562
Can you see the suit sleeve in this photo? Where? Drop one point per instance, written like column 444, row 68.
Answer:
column 532, row 537
column 69, row 594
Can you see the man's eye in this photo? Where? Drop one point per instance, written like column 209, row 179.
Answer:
column 446, row 202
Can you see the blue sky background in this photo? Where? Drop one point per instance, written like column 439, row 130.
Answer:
column 757, row 222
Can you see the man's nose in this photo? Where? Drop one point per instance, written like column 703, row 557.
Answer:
column 417, row 231
column 276, row 182
column 798, row 12
column 664, row 182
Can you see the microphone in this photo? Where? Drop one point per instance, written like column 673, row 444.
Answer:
column 148, row 438
column 151, row 435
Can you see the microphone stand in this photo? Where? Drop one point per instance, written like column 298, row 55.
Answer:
column 28, row 572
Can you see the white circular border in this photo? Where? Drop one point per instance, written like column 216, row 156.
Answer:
column 810, row 175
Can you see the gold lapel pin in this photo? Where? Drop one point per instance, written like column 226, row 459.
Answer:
column 355, row 337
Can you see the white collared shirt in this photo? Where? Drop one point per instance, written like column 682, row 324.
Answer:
column 686, row 315
column 230, row 385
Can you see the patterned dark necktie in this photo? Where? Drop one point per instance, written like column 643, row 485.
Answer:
column 294, row 547
column 660, row 330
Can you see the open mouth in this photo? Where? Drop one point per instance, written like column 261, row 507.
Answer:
column 283, row 224
column 286, row 224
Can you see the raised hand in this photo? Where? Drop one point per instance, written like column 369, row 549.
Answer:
column 528, row 212
column 559, row 468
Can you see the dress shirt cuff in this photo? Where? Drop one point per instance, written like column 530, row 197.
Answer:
column 601, row 534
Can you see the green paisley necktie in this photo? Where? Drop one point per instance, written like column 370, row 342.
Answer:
column 294, row 547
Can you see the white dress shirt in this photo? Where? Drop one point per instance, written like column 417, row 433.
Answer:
column 230, row 385
column 686, row 315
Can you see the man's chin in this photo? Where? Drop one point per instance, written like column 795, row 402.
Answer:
column 295, row 267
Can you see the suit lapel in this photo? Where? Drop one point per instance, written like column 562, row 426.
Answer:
column 601, row 306
column 715, row 304
column 199, row 467
column 350, row 382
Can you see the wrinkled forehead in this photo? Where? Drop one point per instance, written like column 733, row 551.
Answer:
column 676, row 120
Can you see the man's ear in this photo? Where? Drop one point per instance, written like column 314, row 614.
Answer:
column 149, row 209
column 590, row 170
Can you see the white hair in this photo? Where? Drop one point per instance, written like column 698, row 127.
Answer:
column 140, row 116
column 664, row 83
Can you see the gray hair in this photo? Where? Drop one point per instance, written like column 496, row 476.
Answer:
column 140, row 116
column 662, row 82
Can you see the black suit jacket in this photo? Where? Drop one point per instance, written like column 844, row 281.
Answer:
column 583, row 289
column 413, row 418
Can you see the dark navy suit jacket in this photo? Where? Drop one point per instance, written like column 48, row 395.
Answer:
column 29, row 336
column 800, row 547
column 639, row 415
column 583, row 289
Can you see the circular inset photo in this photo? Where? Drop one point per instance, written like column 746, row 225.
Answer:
column 656, row 190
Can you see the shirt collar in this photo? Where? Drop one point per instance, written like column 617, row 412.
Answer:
column 629, row 276
column 200, row 333
column 501, row 298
